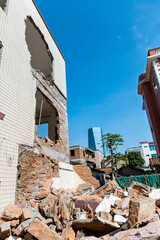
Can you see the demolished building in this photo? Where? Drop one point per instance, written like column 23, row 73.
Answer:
column 32, row 89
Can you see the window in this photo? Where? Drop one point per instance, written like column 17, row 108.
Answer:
column 1, row 47
column 157, row 51
column 154, row 155
column 83, row 153
column 151, row 129
column 72, row 153
column 154, row 83
column 145, row 146
column 152, row 148
column 3, row 4
column 147, row 155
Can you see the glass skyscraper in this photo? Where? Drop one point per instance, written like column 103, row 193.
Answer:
column 95, row 139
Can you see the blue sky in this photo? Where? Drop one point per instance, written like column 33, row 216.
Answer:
column 105, row 44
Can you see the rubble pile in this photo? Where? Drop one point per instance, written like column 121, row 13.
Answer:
column 86, row 175
column 33, row 171
column 108, row 213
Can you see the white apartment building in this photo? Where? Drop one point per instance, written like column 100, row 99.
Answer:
column 32, row 88
column 146, row 149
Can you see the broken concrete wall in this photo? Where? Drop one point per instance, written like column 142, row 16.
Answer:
column 18, row 88
column 67, row 177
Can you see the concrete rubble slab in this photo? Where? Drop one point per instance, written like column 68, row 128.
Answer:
column 104, row 206
column 84, row 201
column 42, row 232
column 95, row 225
column 120, row 219
column 113, row 199
column 151, row 231
column 89, row 238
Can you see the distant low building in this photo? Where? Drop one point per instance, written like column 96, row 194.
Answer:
column 80, row 155
column 99, row 156
column 146, row 149
column 86, row 156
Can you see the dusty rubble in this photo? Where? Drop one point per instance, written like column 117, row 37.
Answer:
column 106, row 213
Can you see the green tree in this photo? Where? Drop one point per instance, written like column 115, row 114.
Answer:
column 111, row 142
column 135, row 159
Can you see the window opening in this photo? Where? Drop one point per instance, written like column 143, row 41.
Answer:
column 154, row 155
column 152, row 148
column 1, row 47
column 46, row 119
column 72, row 153
column 42, row 130
column 154, row 83
column 41, row 57
column 3, row 4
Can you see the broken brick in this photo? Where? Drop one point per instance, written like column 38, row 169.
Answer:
column 11, row 212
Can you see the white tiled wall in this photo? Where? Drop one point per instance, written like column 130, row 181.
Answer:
column 17, row 90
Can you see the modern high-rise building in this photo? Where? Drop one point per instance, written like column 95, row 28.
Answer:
column 95, row 139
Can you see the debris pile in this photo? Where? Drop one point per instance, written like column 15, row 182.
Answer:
column 33, row 172
column 86, row 175
column 106, row 213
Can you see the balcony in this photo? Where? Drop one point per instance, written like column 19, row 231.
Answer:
column 154, row 51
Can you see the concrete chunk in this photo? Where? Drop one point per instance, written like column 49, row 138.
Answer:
column 151, row 231
column 11, row 212
column 124, row 203
column 97, row 226
column 68, row 233
column 113, row 199
column 20, row 229
column 26, row 214
column 120, row 219
column 140, row 209
column 42, row 231
column 104, row 206
column 5, row 230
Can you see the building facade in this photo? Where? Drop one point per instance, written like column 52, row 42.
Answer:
column 147, row 151
column 32, row 88
column 95, row 139
column 149, row 88
column 99, row 158
column 80, row 155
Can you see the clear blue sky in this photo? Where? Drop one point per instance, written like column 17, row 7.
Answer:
column 105, row 44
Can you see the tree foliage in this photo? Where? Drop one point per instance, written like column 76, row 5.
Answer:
column 135, row 159
column 111, row 142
